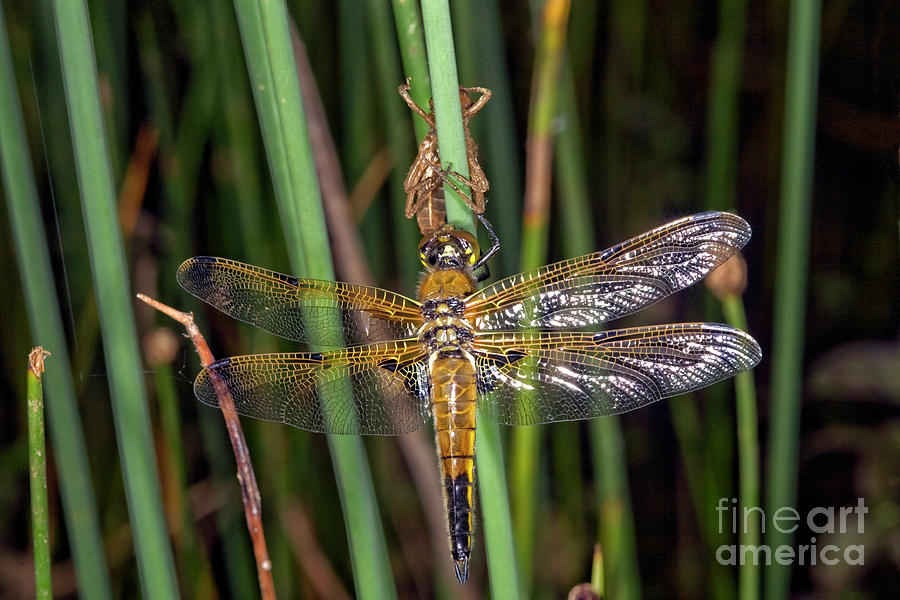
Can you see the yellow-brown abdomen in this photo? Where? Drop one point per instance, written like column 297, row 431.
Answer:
column 453, row 405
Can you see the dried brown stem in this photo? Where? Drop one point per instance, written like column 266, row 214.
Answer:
column 245, row 475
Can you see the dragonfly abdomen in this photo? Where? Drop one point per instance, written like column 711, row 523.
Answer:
column 453, row 405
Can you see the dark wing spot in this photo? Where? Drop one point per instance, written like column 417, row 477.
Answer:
column 391, row 364
column 506, row 358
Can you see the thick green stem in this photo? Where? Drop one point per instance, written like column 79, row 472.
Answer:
column 114, row 301
column 45, row 322
column 447, row 115
column 489, row 456
column 267, row 45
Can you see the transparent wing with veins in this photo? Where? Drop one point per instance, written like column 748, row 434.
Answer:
column 529, row 378
column 305, row 310
column 621, row 280
column 374, row 389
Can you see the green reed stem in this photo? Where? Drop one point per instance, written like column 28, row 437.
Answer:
column 195, row 565
column 721, row 193
column 494, row 497
column 625, row 72
column 110, row 41
column 571, row 175
column 356, row 85
column 45, row 322
column 37, row 468
column 447, row 114
column 790, row 276
column 616, row 519
column 114, row 300
column 266, row 39
column 497, row 522
column 267, row 111
column 748, row 458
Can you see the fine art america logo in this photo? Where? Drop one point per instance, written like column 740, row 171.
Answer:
column 829, row 521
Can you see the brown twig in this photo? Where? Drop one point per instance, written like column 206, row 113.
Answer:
column 246, row 478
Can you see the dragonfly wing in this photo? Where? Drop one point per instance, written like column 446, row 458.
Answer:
column 606, row 285
column 305, row 310
column 376, row 389
column 543, row 377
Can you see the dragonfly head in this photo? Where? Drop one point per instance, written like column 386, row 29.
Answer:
column 449, row 248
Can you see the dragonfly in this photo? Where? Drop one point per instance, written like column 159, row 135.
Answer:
column 515, row 352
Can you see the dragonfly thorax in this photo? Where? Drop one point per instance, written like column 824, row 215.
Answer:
column 448, row 287
column 446, row 334
column 442, row 293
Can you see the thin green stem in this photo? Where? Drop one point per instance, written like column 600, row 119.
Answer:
column 721, row 193
column 748, row 459
column 494, row 496
column 614, row 501
column 114, row 300
column 262, row 83
column 196, row 568
column 790, row 276
column 616, row 527
column 704, row 487
column 37, row 470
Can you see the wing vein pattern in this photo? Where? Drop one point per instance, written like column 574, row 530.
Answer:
column 621, row 280
column 375, row 389
column 304, row 310
column 543, row 377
